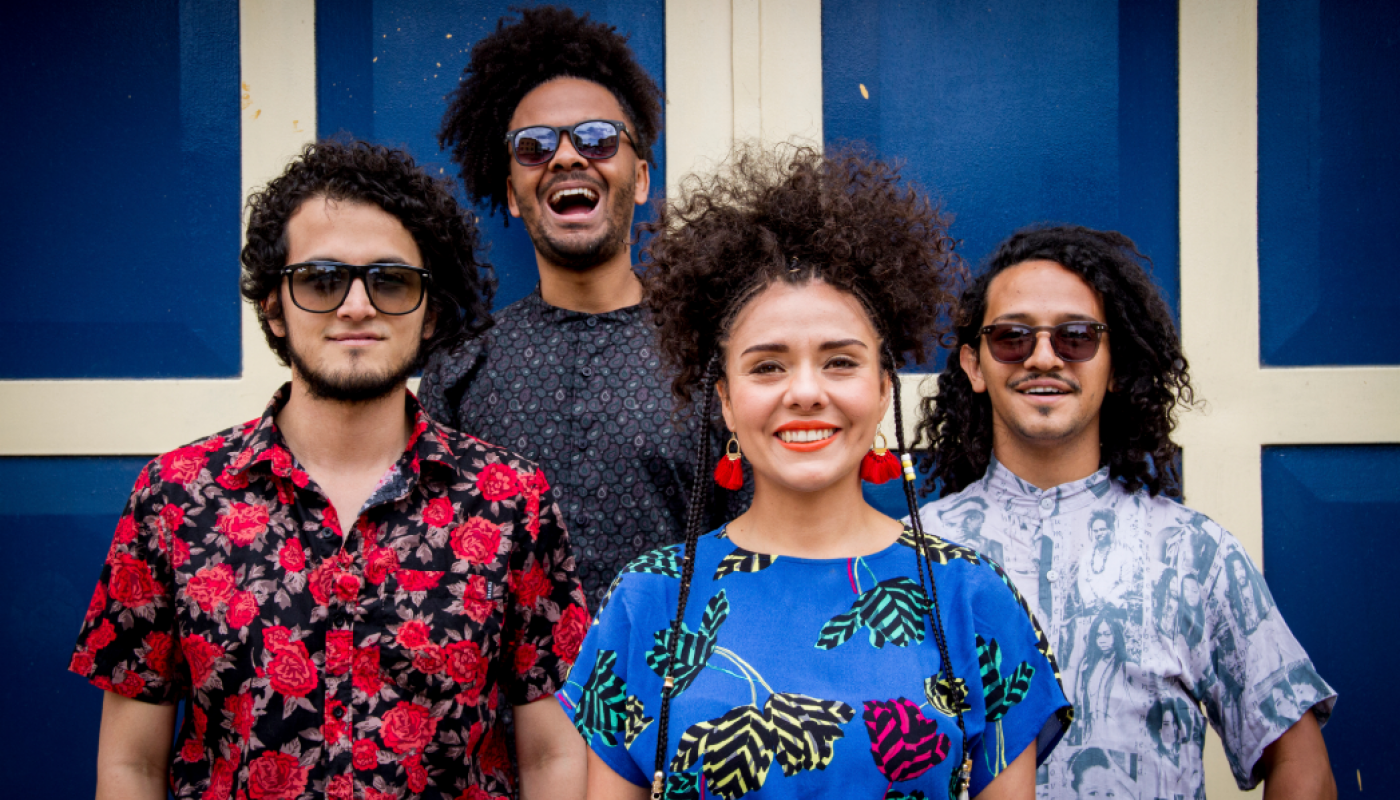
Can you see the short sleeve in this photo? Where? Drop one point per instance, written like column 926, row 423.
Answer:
column 1022, row 700
column 601, row 695
column 128, row 643
column 1251, row 673
column 546, row 615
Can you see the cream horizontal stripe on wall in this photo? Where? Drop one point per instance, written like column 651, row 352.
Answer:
column 277, row 52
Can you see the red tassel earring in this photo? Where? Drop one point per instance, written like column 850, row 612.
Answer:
column 879, row 465
column 729, row 472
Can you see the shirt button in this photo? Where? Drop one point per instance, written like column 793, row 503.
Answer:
column 1052, row 576
column 1047, row 503
column 338, row 712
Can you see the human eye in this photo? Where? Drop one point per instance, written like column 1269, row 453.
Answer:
column 1077, row 331
column 842, row 362
column 766, row 367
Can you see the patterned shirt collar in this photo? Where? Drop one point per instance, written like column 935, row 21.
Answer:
column 1026, row 499
column 536, row 306
column 264, row 448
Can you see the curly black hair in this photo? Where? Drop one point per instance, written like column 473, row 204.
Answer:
column 1149, row 371
column 545, row 43
column 845, row 219
column 461, row 287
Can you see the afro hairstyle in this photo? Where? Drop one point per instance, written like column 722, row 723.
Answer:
column 546, row 43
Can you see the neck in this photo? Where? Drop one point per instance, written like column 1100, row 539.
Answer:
column 605, row 287
column 833, row 523
column 1046, row 465
column 333, row 437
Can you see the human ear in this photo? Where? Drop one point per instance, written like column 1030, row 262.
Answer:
column 722, row 389
column 641, row 187
column 272, row 312
column 971, row 364
column 511, row 204
column 429, row 322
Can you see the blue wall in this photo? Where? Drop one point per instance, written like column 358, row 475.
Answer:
column 383, row 69
column 58, row 514
column 1329, row 109
column 1329, row 556
column 121, row 189
column 1016, row 113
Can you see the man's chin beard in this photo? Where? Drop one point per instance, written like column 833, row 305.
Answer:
column 354, row 387
column 581, row 257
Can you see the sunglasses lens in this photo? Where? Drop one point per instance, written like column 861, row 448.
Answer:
column 534, row 146
column 1075, row 341
column 319, row 288
column 1010, row 344
column 596, row 139
column 394, row 291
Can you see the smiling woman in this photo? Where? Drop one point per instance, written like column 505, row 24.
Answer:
column 788, row 288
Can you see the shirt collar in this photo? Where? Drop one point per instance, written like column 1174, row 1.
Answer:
column 1025, row 498
column 264, row 448
column 535, row 303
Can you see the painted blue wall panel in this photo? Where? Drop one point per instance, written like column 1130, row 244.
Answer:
column 1017, row 112
column 121, row 192
column 59, row 514
column 1329, row 106
column 384, row 69
column 1330, row 546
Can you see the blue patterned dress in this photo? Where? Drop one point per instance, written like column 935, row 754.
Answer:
column 796, row 677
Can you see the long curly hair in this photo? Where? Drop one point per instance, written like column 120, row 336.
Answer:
column 1150, row 373
column 794, row 216
column 545, row 43
column 461, row 287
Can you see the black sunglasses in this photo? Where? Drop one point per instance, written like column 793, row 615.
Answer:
column 1010, row 343
column 322, row 286
column 593, row 139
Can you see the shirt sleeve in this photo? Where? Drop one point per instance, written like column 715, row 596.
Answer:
column 546, row 614
column 128, row 642
column 1251, row 673
column 1022, row 700
column 611, row 690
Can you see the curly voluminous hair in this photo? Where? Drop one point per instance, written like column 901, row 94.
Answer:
column 461, row 287
column 546, row 43
column 795, row 216
column 1150, row 377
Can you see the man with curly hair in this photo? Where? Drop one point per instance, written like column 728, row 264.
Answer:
column 341, row 591
column 1055, row 411
column 554, row 124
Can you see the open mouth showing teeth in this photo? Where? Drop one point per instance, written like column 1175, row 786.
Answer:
column 1045, row 390
column 799, row 437
column 578, row 200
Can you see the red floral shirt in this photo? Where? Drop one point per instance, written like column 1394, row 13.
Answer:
column 317, row 663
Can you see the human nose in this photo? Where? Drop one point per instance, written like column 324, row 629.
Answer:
column 1043, row 357
column 566, row 158
column 805, row 389
column 356, row 305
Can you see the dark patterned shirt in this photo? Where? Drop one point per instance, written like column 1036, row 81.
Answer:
column 583, row 396
column 317, row 663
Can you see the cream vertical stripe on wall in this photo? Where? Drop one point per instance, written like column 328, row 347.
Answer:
column 1246, row 406
column 277, row 52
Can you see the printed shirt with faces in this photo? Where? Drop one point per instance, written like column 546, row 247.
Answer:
column 321, row 660
column 1152, row 609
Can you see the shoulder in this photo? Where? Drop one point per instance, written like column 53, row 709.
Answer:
column 470, row 456
column 202, row 461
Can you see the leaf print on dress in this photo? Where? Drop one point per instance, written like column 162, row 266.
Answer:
column 736, row 750
column 663, row 561
column 1001, row 694
column 904, row 743
column 742, row 560
column 948, row 699
column 695, row 648
column 893, row 610
column 604, row 707
column 939, row 550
